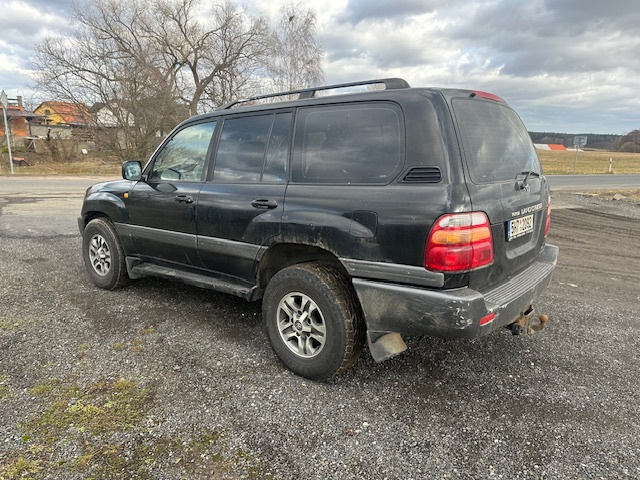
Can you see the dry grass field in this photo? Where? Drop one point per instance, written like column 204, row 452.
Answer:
column 44, row 165
column 553, row 163
column 589, row 162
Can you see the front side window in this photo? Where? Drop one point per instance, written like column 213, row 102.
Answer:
column 348, row 144
column 183, row 157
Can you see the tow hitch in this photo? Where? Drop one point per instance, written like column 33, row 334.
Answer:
column 528, row 323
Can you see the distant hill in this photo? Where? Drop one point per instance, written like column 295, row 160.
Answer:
column 594, row 140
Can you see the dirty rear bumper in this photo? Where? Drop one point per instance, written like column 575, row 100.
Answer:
column 456, row 313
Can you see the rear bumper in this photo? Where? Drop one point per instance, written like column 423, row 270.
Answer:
column 456, row 313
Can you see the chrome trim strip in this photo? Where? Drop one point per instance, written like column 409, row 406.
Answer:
column 394, row 272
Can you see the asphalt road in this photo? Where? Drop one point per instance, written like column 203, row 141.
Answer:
column 593, row 182
column 561, row 404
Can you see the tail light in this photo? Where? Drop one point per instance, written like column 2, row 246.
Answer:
column 459, row 242
column 548, row 220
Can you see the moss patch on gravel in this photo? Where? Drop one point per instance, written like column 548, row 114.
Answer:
column 5, row 389
column 9, row 324
column 99, row 409
column 105, row 430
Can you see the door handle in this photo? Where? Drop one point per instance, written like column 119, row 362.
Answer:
column 264, row 203
column 184, row 199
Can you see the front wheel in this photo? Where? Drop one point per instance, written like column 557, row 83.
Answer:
column 313, row 320
column 103, row 255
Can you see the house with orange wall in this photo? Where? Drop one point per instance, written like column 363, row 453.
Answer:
column 17, row 117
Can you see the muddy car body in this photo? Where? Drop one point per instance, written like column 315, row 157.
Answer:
column 365, row 215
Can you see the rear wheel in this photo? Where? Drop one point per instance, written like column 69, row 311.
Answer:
column 313, row 320
column 103, row 255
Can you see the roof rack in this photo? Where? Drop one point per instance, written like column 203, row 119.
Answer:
column 389, row 84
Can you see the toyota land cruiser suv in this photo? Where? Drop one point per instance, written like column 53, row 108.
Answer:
column 354, row 217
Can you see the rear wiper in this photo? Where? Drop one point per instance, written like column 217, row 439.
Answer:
column 526, row 173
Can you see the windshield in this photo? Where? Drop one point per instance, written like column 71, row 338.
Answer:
column 496, row 143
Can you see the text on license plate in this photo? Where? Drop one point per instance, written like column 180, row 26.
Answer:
column 519, row 227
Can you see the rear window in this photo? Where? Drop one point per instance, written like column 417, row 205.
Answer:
column 496, row 143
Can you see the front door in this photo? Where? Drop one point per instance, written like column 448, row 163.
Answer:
column 162, row 207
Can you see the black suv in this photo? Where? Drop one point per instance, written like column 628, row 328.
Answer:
column 352, row 211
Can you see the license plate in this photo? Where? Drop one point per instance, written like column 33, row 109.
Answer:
column 519, row 227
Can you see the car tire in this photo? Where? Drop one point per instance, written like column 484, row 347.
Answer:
column 313, row 320
column 103, row 255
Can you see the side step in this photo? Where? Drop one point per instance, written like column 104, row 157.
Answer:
column 139, row 270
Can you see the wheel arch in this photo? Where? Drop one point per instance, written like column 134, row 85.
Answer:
column 284, row 255
column 92, row 215
column 104, row 204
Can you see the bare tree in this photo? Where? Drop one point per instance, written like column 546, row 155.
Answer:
column 296, row 56
column 152, row 64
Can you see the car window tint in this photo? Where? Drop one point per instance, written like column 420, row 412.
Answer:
column 182, row 158
column 277, row 161
column 241, row 149
column 496, row 143
column 348, row 144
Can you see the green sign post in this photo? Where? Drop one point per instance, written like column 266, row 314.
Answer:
column 578, row 141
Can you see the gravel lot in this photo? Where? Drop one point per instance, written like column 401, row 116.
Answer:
column 166, row 381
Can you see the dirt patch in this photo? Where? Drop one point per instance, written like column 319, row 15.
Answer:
column 620, row 195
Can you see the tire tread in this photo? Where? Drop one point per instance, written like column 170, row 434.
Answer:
column 342, row 296
column 121, row 276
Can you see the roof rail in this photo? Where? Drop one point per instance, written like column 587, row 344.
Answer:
column 389, row 84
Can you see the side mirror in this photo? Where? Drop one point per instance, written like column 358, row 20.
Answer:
column 132, row 170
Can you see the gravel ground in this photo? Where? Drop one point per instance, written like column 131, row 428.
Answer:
column 165, row 381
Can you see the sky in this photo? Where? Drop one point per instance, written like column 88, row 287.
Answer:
column 568, row 66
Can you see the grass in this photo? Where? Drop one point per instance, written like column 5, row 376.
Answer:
column 81, row 167
column 103, row 431
column 589, row 162
column 96, row 410
column 42, row 164
column 12, row 323
column 5, row 389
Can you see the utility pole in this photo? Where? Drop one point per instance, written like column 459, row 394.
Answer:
column 5, row 103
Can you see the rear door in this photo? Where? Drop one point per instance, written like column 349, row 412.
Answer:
column 505, row 180
column 240, row 208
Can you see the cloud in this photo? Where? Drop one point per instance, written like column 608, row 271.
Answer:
column 24, row 23
column 358, row 11
column 571, row 61
column 61, row 6
column 563, row 64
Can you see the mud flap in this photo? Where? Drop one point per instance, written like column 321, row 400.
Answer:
column 385, row 346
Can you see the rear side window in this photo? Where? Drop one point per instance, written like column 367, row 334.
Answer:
column 348, row 144
column 254, row 149
column 496, row 143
